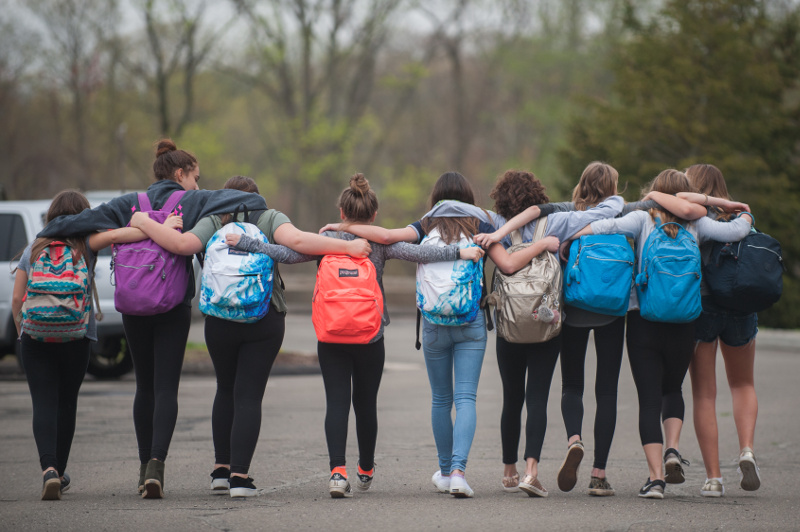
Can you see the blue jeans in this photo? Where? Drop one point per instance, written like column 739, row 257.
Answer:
column 454, row 357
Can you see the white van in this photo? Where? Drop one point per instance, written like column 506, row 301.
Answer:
column 20, row 221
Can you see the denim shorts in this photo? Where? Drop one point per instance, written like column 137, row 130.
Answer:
column 733, row 328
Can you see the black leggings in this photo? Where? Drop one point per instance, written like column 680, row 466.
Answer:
column 659, row 354
column 243, row 354
column 539, row 360
column 608, row 343
column 157, row 344
column 55, row 373
column 362, row 366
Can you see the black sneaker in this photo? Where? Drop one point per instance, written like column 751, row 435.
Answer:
column 51, row 487
column 653, row 489
column 242, row 487
column 673, row 467
column 64, row 483
column 220, row 478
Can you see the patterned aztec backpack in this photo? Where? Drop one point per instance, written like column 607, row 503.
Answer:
column 599, row 274
column 149, row 280
column 347, row 305
column 449, row 292
column 668, row 285
column 746, row 276
column 528, row 302
column 237, row 285
column 57, row 302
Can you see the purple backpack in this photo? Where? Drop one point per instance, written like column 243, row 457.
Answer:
column 149, row 280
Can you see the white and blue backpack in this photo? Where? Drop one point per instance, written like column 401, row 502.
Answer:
column 449, row 292
column 236, row 285
column 668, row 285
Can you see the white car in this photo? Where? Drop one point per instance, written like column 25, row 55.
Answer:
column 20, row 221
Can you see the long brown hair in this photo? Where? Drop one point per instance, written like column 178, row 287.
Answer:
column 238, row 182
column 669, row 182
column 707, row 179
column 66, row 202
column 515, row 191
column 598, row 181
column 358, row 202
column 452, row 186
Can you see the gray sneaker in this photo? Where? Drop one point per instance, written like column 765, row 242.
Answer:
column 51, row 486
column 673, row 467
column 599, row 487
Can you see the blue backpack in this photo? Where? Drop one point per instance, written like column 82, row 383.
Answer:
column 599, row 274
column 668, row 285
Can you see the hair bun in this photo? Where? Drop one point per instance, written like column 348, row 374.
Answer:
column 165, row 146
column 358, row 183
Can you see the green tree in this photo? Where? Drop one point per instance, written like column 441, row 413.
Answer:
column 711, row 81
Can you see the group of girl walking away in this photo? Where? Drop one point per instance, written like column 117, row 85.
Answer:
column 242, row 297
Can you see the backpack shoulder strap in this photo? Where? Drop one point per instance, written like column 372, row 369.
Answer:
column 484, row 297
column 419, row 319
column 173, row 200
column 144, row 202
column 516, row 237
column 541, row 228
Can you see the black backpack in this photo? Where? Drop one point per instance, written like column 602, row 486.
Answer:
column 745, row 276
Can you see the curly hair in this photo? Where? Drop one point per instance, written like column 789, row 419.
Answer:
column 515, row 191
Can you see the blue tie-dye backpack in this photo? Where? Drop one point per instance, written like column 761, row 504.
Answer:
column 236, row 285
column 449, row 293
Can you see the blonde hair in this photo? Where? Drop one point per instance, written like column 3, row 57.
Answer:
column 598, row 181
column 669, row 181
column 358, row 202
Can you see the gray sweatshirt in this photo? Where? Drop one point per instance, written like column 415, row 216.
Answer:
column 639, row 224
column 561, row 224
column 380, row 254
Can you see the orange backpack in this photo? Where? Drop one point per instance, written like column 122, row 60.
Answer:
column 347, row 306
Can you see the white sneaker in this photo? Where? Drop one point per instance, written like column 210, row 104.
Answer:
column 459, row 487
column 748, row 469
column 441, row 482
column 339, row 487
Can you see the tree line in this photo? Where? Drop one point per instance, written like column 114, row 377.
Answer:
column 300, row 94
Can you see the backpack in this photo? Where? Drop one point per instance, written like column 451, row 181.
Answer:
column 236, row 285
column 745, row 276
column 668, row 285
column 528, row 302
column 149, row 280
column 449, row 292
column 347, row 305
column 57, row 302
column 599, row 274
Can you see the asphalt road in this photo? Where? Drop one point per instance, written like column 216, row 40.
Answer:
column 290, row 464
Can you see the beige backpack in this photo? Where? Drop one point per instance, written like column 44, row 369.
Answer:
column 528, row 302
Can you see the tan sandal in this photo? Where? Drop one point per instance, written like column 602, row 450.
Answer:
column 532, row 487
column 511, row 484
